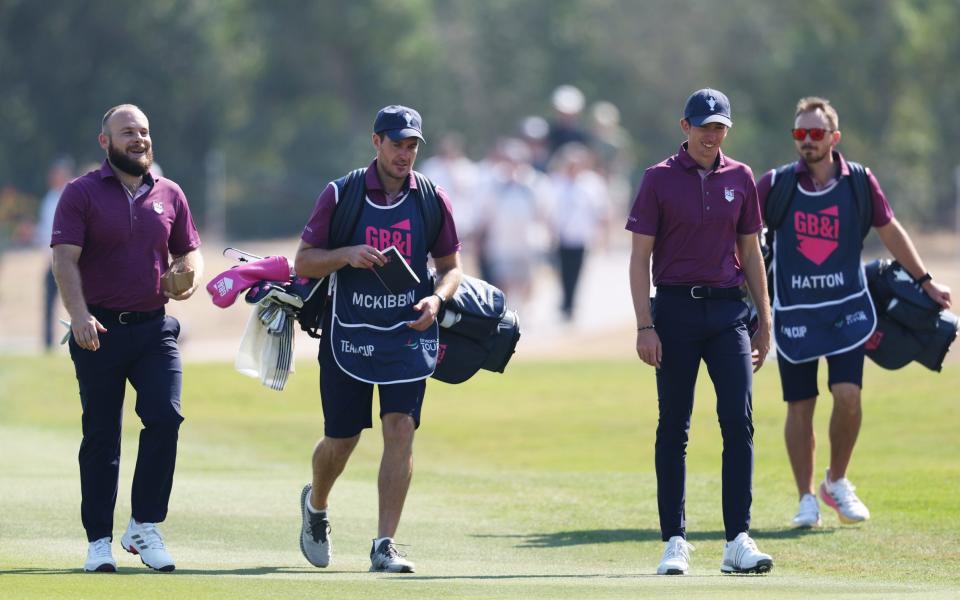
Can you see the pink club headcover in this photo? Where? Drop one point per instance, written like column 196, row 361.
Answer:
column 225, row 287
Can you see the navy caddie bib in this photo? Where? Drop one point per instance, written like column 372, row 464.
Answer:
column 821, row 305
column 369, row 335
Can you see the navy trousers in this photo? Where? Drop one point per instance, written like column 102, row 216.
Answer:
column 714, row 331
column 146, row 355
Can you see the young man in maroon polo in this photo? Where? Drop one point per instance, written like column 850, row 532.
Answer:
column 697, row 216
column 116, row 231
column 824, row 187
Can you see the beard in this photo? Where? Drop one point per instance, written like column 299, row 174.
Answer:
column 811, row 155
column 136, row 167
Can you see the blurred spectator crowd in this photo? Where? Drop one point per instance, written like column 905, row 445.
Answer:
column 543, row 196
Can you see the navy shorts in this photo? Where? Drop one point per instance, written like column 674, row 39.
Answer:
column 348, row 402
column 799, row 381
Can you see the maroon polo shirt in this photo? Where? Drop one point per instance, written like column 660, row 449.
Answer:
column 696, row 219
column 882, row 213
column 317, row 231
column 126, row 247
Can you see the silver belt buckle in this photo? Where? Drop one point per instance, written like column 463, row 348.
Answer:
column 122, row 316
column 693, row 293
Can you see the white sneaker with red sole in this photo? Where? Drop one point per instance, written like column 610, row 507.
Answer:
column 839, row 496
column 145, row 540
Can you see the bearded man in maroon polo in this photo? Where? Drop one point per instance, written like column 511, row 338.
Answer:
column 117, row 230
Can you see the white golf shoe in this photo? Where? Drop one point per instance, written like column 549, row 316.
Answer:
column 742, row 556
column 676, row 557
column 145, row 540
column 100, row 557
column 808, row 515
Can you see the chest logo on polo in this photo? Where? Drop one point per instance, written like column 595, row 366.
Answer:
column 158, row 207
column 398, row 235
column 818, row 233
column 728, row 194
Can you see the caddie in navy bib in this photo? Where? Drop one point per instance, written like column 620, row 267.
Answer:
column 822, row 305
column 369, row 335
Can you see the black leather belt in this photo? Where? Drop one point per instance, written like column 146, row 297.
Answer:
column 701, row 292
column 124, row 317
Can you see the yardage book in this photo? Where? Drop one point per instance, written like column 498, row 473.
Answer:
column 395, row 275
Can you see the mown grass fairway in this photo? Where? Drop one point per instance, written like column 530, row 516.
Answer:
column 536, row 484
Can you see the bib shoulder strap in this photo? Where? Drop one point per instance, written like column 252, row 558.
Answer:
column 775, row 209
column 781, row 193
column 429, row 208
column 862, row 196
column 346, row 215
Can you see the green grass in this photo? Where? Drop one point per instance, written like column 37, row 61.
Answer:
column 534, row 484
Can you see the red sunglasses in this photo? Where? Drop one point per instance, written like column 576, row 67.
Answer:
column 816, row 133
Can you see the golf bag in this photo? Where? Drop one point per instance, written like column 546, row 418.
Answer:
column 910, row 325
column 477, row 331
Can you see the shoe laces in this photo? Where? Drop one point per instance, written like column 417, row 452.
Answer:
column 391, row 551
column 151, row 536
column 749, row 544
column 678, row 549
column 319, row 527
column 100, row 548
column 842, row 490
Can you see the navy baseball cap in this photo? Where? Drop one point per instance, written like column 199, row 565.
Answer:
column 707, row 106
column 399, row 122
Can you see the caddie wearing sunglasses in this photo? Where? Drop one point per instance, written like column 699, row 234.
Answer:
column 821, row 304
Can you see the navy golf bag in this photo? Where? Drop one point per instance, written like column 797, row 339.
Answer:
column 477, row 331
column 910, row 325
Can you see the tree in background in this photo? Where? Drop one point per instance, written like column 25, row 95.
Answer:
column 283, row 90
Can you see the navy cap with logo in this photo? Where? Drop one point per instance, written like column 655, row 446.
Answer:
column 399, row 122
column 707, row 106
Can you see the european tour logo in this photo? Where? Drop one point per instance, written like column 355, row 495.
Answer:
column 818, row 233
column 397, row 235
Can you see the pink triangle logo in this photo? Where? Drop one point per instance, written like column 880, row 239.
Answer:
column 833, row 211
column 817, row 250
column 404, row 225
column 817, row 233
